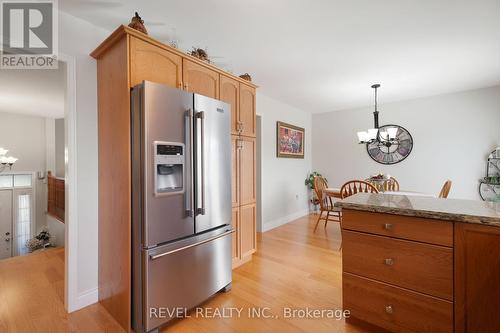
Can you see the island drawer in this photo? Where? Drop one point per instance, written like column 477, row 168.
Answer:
column 417, row 266
column 395, row 309
column 411, row 228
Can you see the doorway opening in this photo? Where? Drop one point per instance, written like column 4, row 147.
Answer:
column 33, row 129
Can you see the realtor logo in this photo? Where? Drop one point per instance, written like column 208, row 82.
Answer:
column 29, row 38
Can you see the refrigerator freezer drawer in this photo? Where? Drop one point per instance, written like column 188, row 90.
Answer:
column 184, row 274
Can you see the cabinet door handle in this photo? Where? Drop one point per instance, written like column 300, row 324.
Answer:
column 389, row 309
column 388, row 226
column 179, row 85
column 389, row 261
column 185, row 86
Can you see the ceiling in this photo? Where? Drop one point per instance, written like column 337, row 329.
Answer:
column 323, row 55
column 35, row 92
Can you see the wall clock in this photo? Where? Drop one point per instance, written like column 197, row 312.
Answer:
column 391, row 151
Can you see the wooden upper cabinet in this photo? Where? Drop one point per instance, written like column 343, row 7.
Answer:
column 229, row 93
column 200, row 79
column 152, row 63
column 247, row 110
column 247, row 170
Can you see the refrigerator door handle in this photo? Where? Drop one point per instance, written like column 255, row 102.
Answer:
column 189, row 201
column 201, row 115
column 156, row 256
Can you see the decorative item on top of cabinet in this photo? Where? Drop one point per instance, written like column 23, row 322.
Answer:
column 246, row 76
column 247, row 114
column 200, row 54
column 138, row 24
column 151, row 63
column 200, row 79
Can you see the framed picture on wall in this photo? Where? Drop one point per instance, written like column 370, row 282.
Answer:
column 289, row 140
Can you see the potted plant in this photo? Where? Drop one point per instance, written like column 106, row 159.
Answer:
column 309, row 182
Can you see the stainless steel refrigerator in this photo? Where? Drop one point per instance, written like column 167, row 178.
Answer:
column 181, row 202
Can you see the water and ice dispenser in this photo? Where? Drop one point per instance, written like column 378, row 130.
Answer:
column 169, row 167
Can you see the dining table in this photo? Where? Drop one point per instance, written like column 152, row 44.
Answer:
column 334, row 192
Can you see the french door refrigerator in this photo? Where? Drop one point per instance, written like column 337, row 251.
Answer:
column 181, row 202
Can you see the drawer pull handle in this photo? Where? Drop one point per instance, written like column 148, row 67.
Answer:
column 389, row 309
column 388, row 226
column 389, row 262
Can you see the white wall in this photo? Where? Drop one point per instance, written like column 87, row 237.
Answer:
column 284, row 195
column 453, row 134
column 77, row 38
column 24, row 137
column 57, row 232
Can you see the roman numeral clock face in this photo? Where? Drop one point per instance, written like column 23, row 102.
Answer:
column 394, row 151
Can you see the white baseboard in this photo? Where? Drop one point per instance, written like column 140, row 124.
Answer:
column 87, row 298
column 284, row 220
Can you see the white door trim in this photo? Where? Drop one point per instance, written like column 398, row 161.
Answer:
column 71, row 302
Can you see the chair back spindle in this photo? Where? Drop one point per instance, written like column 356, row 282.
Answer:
column 356, row 186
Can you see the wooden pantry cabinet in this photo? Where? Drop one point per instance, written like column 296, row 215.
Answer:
column 125, row 59
column 244, row 202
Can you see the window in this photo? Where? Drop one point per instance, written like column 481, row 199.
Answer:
column 6, row 181
column 22, row 223
column 22, row 180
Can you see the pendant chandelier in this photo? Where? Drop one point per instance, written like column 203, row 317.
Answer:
column 6, row 161
column 387, row 144
column 387, row 136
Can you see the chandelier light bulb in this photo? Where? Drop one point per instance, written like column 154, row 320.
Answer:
column 372, row 133
column 362, row 137
column 11, row 160
column 392, row 132
column 3, row 151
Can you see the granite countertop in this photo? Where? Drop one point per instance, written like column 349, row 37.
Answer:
column 469, row 211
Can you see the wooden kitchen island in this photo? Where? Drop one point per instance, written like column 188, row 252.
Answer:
column 419, row 264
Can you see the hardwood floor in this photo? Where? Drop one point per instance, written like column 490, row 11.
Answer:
column 293, row 268
column 32, row 298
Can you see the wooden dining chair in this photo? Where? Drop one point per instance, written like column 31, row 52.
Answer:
column 325, row 203
column 352, row 187
column 445, row 190
column 356, row 186
column 391, row 184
